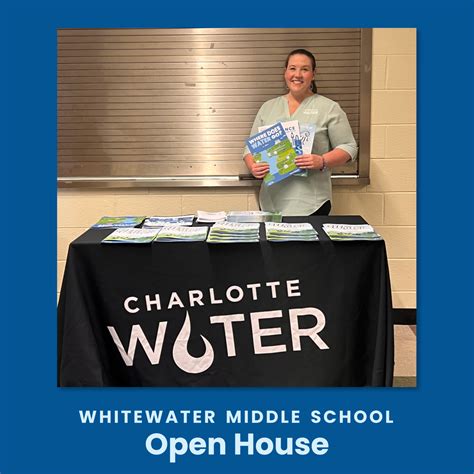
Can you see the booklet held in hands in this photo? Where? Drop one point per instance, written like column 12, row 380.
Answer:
column 273, row 146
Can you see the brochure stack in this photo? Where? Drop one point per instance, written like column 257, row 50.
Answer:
column 176, row 233
column 284, row 232
column 234, row 232
column 351, row 232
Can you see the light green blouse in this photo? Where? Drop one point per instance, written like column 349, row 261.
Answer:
column 297, row 195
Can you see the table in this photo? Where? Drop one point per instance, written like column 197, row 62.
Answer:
column 197, row 314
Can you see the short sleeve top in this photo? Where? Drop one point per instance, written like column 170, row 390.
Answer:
column 298, row 195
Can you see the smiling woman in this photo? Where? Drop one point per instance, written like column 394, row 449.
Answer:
column 334, row 143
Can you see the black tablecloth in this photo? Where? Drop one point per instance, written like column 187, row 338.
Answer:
column 332, row 327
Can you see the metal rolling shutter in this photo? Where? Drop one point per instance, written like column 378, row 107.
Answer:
column 140, row 104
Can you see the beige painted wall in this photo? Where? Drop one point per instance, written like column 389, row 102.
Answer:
column 388, row 203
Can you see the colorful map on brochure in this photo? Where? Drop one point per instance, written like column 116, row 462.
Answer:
column 108, row 222
column 273, row 146
column 293, row 132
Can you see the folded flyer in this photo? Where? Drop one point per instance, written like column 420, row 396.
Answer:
column 233, row 232
column 176, row 233
column 160, row 221
column 108, row 222
column 131, row 236
column 301, row 136
column 210, row 217
column 273, row 146
column 292, row 130
column 284, row 232
column 253, row 216
column 307, row 134
column 351, row 232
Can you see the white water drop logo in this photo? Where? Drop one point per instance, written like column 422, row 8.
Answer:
column 184, row 360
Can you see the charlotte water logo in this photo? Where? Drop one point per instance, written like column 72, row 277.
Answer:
column 195, row 365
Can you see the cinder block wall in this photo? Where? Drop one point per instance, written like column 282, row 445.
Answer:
column 389, row 202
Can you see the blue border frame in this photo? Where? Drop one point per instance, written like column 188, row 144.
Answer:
column 433, row 423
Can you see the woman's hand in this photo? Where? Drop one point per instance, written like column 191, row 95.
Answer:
column 259, row 170
column 310, row 162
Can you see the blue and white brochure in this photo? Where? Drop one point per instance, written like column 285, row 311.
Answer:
column 273, row 146
column 160, row 221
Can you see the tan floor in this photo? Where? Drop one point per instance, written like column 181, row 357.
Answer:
column 405, row 355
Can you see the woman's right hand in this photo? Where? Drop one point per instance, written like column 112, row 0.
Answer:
column 259, row 170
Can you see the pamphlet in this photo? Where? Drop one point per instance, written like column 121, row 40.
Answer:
column 293, row 132
column 284, row 232
column 160, row 221
column 177, row 233
column 234, row 232
column 108, row 222
column 351, row 232
column 211, row 217
column 274, row 147
column 253, row 216
column 131, row 236
column 307, row 134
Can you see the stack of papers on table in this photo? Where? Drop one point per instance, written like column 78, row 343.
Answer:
column 176, row 233
column 253, row 216
column 284, row 232
column 131, row 236
column 108, row 222
column 351, row 232
column 234, row 232
column 159, row 221
column 211, row 217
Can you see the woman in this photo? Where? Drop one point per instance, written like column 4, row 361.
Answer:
column 333, row 145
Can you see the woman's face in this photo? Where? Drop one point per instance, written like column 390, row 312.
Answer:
column 299, row 74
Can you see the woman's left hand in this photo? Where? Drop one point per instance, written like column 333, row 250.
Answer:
column 309, row 162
